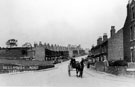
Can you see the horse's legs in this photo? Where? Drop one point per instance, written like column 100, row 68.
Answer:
column 81, row 72
column 76, row 72
column 69, row 73
column 69, row 69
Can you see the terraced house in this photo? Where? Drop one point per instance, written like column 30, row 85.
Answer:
column 109, row 48
column 100, row 51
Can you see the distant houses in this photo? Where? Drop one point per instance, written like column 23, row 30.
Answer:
column 41, row 52
column 49, row 52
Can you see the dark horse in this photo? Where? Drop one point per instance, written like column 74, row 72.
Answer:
column 79, row 68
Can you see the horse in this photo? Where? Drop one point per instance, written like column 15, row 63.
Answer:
column 79, row 68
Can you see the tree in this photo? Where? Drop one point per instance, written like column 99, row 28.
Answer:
column 11, row 43
column 27, row 44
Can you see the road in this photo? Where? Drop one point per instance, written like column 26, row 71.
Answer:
column 58, row 77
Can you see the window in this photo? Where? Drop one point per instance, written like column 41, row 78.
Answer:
column 131, row 54
column 132, row 13
column 24, row 52
column 131, row 33
column 134, row 31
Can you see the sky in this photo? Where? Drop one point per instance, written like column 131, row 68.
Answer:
column 59, row 22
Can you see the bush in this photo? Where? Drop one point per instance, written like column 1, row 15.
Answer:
column 118, row 63
column 45, row 67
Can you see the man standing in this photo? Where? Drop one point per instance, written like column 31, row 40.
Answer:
column 81, row 67
column 106, row 64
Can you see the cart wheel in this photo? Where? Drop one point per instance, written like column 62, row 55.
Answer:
column 69, row 73
column 69, row 70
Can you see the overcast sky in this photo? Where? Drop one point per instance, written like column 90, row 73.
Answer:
column 60, row 22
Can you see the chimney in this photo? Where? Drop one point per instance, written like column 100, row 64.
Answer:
column 35, row 44
column 112, row 31
column 105, row 37
column 99, row 40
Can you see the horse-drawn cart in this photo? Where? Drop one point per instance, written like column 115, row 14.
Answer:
column 71, row 67
column 76, row 66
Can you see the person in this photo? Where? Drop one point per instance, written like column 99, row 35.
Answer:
column 88, row 63
column 106, row 64
column 82, row 67
column 72, row 62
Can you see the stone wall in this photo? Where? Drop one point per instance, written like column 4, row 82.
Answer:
column 99, row 66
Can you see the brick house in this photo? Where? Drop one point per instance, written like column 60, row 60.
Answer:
column 100, row 51
column 129, row 33
column 109, row 48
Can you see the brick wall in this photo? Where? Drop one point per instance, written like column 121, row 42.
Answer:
column 39, row 53
column 13, row 53
column 115, row 46
column 126, row 35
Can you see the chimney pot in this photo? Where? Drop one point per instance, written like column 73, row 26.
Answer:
column 105, row 37
column 112, row 31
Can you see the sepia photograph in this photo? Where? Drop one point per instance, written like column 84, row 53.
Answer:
column 67, row 43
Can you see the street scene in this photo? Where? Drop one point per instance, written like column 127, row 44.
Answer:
column 67, row 43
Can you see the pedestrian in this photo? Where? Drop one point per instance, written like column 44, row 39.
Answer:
column 81, row 67
column 106, row 64
column 88, row 63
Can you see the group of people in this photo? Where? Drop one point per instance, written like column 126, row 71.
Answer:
column 79, row 66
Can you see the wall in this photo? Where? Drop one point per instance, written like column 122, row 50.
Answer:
column 13, row 53
column 126, row 35
column 115, row 46
column 39, row 53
